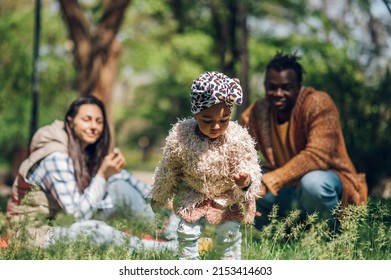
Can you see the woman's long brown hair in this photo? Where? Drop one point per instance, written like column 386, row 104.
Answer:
column 86, row 162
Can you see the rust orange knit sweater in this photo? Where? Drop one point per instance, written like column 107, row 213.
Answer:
column 316, row 136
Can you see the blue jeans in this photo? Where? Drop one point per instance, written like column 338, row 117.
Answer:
column 318, row 191
column 127, row 198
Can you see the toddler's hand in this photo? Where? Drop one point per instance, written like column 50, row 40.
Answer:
column 263, row 190
column 242, row 180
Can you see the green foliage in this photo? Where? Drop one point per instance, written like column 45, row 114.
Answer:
column 166, row 45
column 57, row 73
column 184, row 47
column 54, row 70
column 173, row 61
column 15, row 75
column 364, row 235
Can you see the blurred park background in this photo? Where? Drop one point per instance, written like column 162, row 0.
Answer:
column 140, row 57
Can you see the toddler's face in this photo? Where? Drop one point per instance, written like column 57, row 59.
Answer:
column 214, row 121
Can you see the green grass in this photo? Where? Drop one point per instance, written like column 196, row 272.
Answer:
column 365, row 235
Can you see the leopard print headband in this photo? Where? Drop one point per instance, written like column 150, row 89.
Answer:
column 212, row 88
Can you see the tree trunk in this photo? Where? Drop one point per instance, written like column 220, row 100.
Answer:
column 95, row 49
column 221, row 33
column 228, row 26
column 244, row 59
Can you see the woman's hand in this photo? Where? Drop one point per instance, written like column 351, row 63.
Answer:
column 112, row 164
column 242, row 180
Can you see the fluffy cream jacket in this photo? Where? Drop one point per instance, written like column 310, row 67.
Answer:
column 197, row 174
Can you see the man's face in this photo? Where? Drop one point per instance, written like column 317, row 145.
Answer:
column 282, row 89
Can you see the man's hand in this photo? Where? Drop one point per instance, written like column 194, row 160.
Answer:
column 267, row 183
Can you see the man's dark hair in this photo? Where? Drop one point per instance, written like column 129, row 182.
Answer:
column 283, row 61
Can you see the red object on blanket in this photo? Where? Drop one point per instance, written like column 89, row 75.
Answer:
column 3, row 243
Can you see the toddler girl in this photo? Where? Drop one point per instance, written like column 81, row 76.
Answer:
column 209, row 169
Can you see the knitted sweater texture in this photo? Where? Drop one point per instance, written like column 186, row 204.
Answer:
column 195, row 170
column 316, row 136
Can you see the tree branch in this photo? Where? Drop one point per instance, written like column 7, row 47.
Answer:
column 110, row 23
column 78, row 27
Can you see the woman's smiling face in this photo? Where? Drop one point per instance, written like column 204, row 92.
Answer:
column 88, row 124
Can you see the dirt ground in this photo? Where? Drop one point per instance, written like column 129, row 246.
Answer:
column 144, row 176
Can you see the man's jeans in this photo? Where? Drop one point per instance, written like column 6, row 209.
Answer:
column 318, row 191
